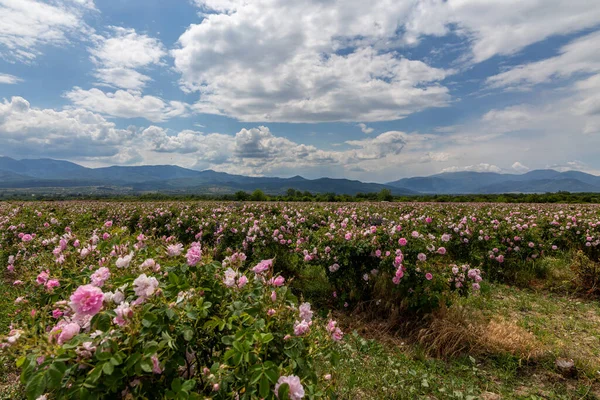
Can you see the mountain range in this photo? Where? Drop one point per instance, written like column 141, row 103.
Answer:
column 49, row 173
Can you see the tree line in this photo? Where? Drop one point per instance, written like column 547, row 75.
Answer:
column 306, row 196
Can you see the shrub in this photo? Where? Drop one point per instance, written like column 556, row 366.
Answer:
column 166, row 328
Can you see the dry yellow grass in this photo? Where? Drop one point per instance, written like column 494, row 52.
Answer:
column 459, row 330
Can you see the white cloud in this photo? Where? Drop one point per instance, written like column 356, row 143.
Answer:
column 8, row 79
column 365, row 129
column 574, row 165
column 581, row 56
column 309, row 88
column 481, row 167
column 126, row 104
column 517, row 166
column 31, row 132
column 126, row 78
column 26, row 26
column 119, row 54
column 248, row 63
column 555, row 132
column 507, row 26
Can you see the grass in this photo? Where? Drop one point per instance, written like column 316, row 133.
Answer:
column 379, row 365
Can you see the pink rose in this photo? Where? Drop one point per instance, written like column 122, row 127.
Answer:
column 68, row 332
column 87, row 300
column 296, row 391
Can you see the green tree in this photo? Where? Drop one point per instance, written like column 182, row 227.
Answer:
column 241, row 196
column 385, row 195
column 258, row 195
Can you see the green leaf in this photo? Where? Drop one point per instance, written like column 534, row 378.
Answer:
column 266, row 337
column 284, row 392
column 335, row 358
column 174, row 279
column 118, row 358
column 146, row 323
column 170, row 313
column 188, row 385
column 36, row 386
column 108, row 368
column 150, row 316
column 272, row 374
column 101, row 322
column 188, row 335
column 263, row 386
column 95, row 374
column 176, row 385
column 146, row 365
column 192, row 315
column 133, row 360
column 103, row 356
column 227, row 340
column 55, row 373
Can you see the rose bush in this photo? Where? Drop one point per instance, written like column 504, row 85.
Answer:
column 165, row 325
column 195, row 299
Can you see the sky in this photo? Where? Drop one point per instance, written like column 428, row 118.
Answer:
column 371, row 90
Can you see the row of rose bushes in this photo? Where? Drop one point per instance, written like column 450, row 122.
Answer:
column 355, row 246
column 126, row 300
column 100, row 319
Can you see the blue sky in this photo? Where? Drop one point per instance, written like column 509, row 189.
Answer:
column 366, row 90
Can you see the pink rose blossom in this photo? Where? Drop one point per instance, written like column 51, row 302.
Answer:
column 156, row 365
column 296, row 391
column 300, row 328
column 100, row 276
column 242, row 281
column 262, row 266
column 306, row 313
column 279, row 281
column 144, row 286
column 68, row 332
column 52, row 283
column 194, row 254
column 87, row 300
column 174, row 250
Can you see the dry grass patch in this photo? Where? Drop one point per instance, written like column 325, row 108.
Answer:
column 458, row 330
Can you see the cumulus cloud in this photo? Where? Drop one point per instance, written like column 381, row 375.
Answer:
column 126, row 104
column 304, row 85
column 82, row 135
column 8, row 79
column 26, row 26
column 246, row 62
column 29, row 131
column 120, row 53
column 517, row 166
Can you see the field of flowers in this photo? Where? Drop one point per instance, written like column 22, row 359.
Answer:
column 224, row 300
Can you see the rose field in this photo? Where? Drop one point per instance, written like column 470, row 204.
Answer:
column 269, row 300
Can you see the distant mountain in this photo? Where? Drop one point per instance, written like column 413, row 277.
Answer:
column 57, row 174
column 48, row 173
column 537, row 181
